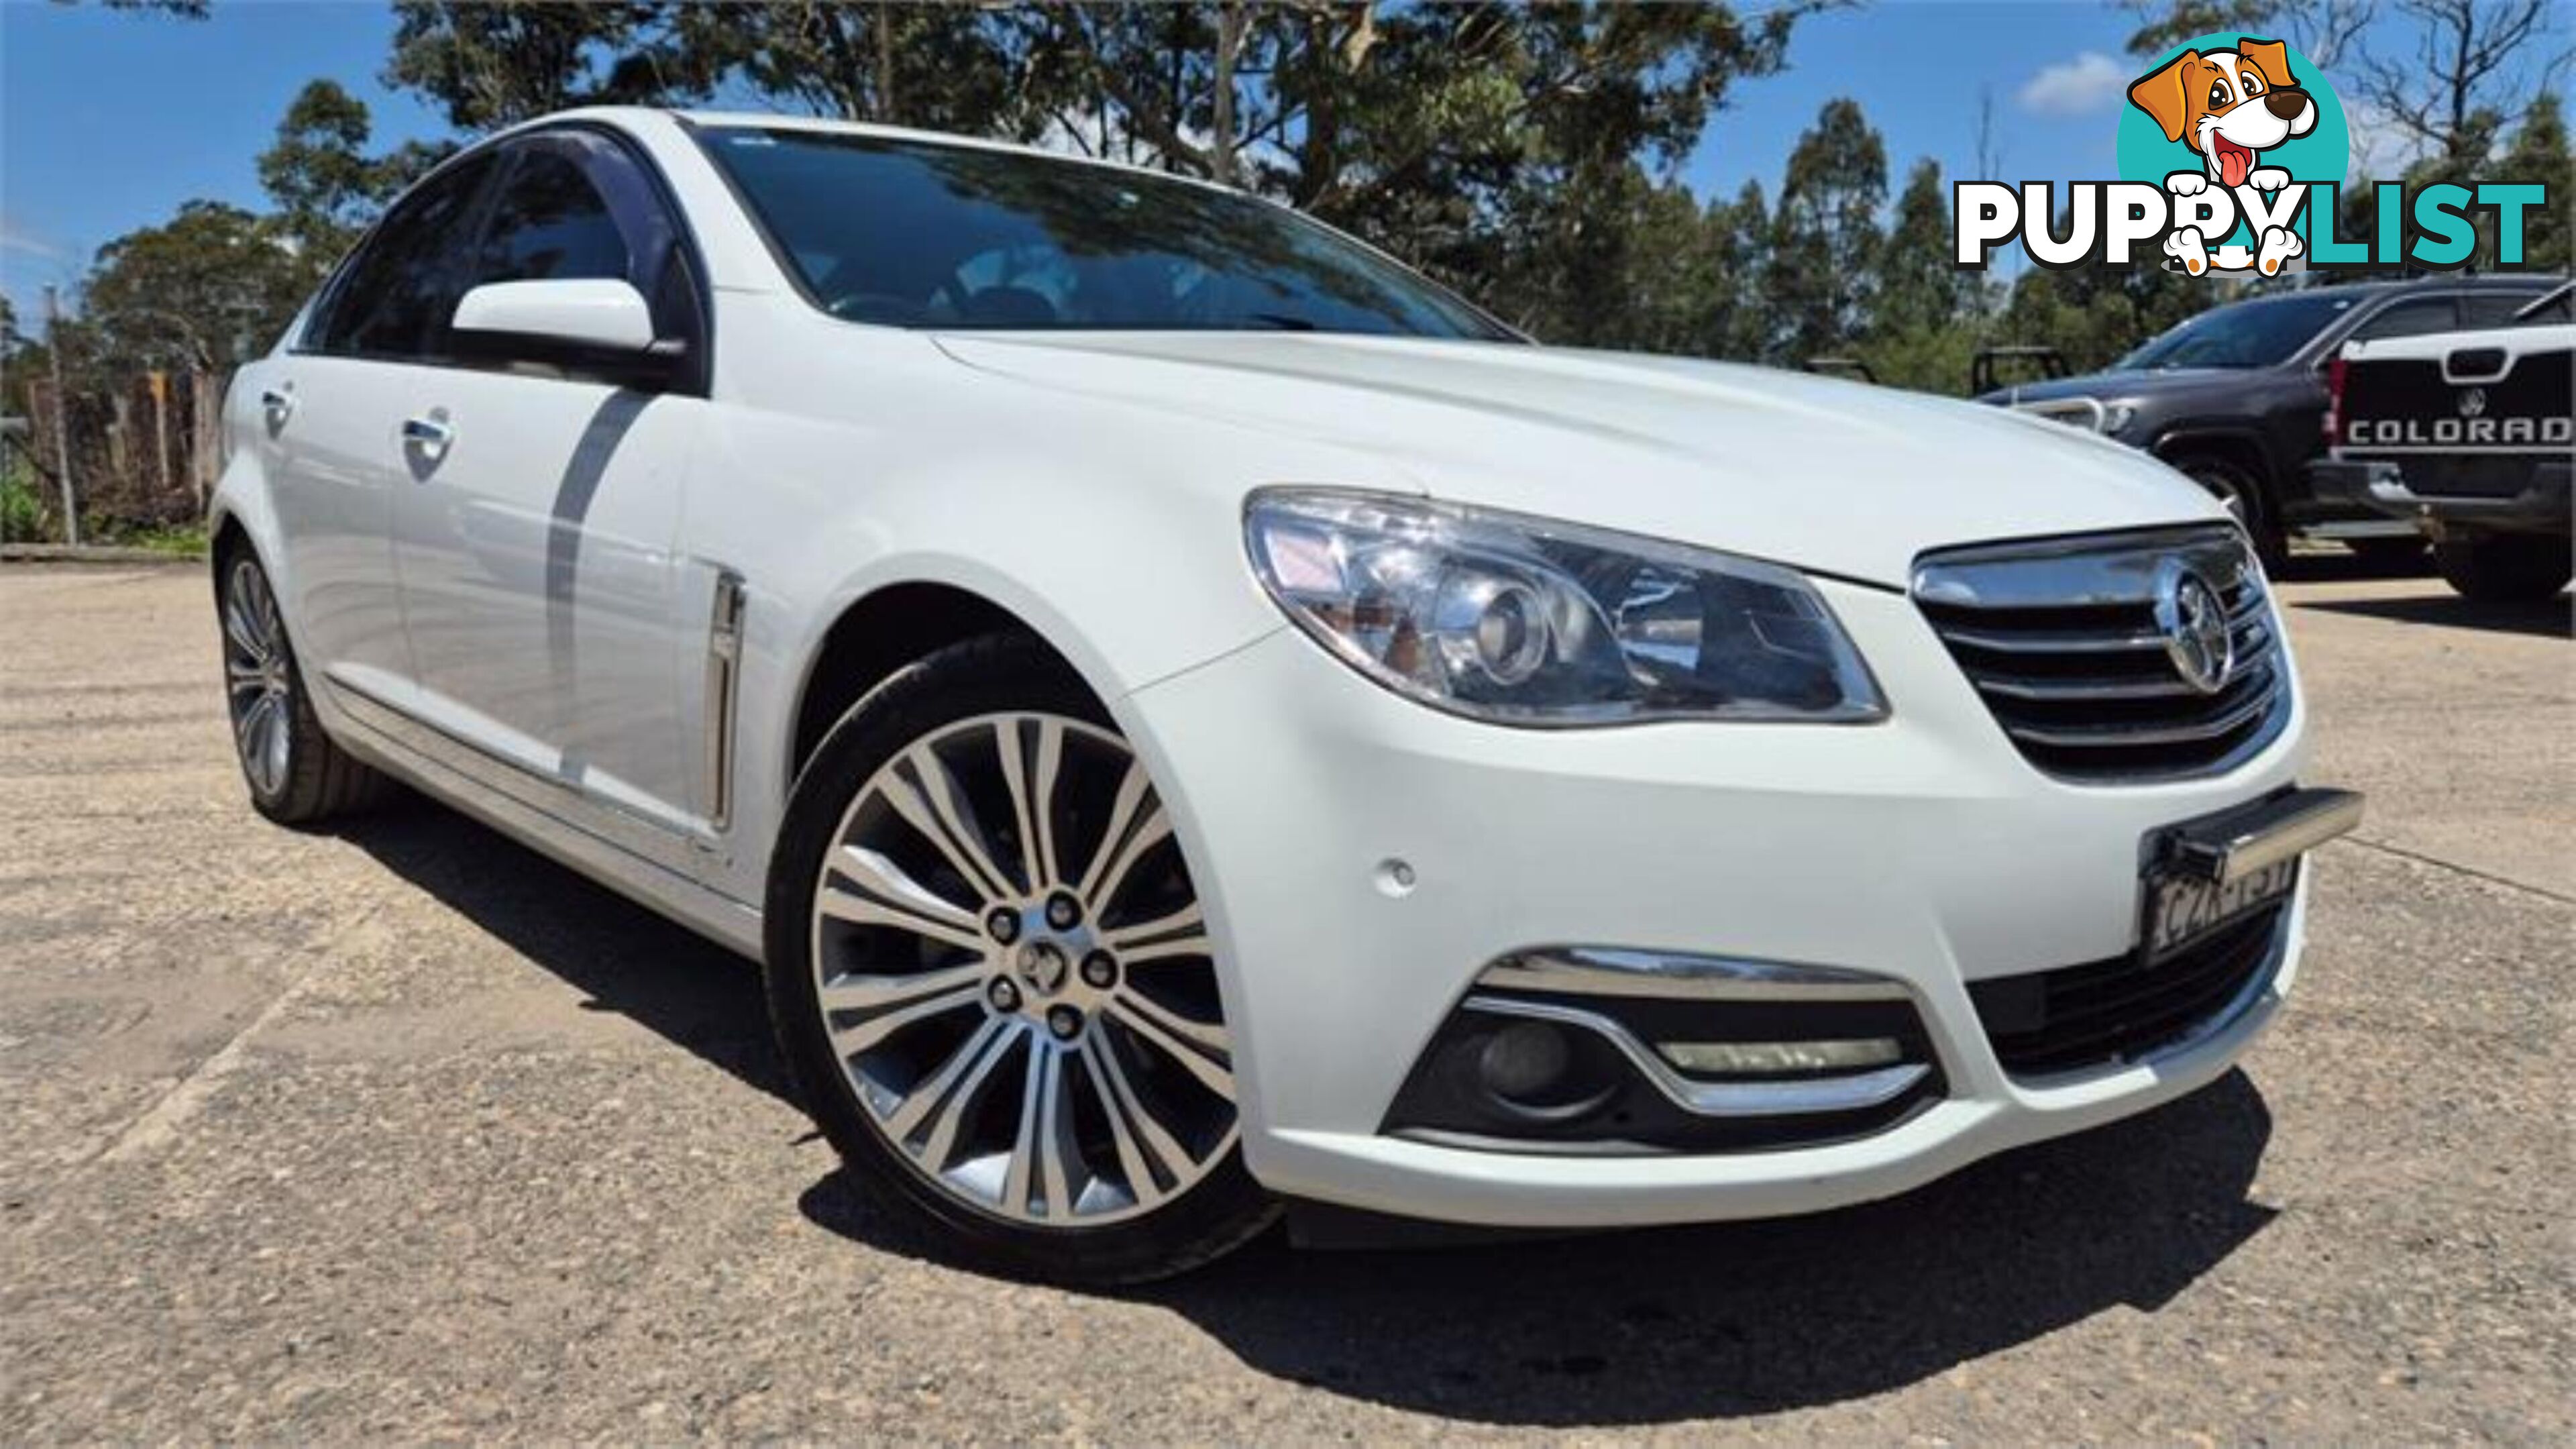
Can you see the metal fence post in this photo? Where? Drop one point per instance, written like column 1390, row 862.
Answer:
column 62, row 416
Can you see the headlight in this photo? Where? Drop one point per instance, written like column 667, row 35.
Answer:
column 1527, row 621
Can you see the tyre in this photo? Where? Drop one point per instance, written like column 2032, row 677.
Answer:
column 2506, row 568
column 296, row 774
column 2242, row 495
column 990, row 978
column 2388, row 555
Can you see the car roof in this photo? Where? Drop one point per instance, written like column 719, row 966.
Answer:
column 2521, row 281
column 2398, row 286
column 772, row 121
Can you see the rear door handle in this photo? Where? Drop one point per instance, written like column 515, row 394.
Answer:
column 278, row 403
column 431, row 434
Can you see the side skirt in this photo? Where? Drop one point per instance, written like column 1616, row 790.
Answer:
column 419, row 756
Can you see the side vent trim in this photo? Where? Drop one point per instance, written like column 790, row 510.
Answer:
column 724, row 672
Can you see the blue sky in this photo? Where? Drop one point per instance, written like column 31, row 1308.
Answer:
column 109, row 120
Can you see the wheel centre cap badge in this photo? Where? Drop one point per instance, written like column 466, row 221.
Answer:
column 1043, row 965
column 2194, row 625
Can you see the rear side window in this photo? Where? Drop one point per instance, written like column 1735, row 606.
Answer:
column 2503, row 309
column 2558, row 307
column 2410, row 318
column 394, row 298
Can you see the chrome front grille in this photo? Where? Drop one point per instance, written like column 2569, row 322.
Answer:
column 2074, row 645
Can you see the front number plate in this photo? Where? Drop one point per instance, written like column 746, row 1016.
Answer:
column 2183, row 908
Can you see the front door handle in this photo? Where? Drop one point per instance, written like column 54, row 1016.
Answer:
column 431, row 434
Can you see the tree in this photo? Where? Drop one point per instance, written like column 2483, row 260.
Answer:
column 1923, row 327
column 2541, row 152
column 1733, row 317
column 2319, row 28
column 938, row 67
column 1461, row 138
column 491, row 65
column 2095, row 314
column 1825, row 239
column 2538, row 151
column 1918, row 288
column 326, row 186
column 210, row 288
column 2475, row 63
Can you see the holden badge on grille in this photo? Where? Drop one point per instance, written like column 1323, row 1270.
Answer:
column 2194, row 623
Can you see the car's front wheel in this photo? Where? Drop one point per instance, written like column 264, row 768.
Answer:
column 990, row 975
column 2242, row 496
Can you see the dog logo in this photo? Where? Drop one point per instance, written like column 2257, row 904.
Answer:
column 2194, row 625
column 2229, row 106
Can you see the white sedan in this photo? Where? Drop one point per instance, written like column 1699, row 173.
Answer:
column 1197, row 719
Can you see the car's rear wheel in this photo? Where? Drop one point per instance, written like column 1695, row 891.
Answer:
column 2506, row 568
column 295, row 772
column 989, row 972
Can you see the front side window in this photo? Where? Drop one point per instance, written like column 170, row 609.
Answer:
column 921, row 235
column 549, row 223
column 394, row 298
column 576, row 205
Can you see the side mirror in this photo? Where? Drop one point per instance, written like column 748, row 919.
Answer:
column 556, row 321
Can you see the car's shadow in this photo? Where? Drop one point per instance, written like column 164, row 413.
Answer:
column 1629, row 1328
column 2549, row 618
column 2334, row 565
column 1675, row 1324
column 2436, row 604
column 626, row 959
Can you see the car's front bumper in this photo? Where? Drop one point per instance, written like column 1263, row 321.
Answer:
column 1923, row 849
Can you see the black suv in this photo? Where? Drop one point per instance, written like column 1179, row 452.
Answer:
column 2236, row 396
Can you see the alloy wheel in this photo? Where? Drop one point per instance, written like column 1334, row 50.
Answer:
column 259, row 683
column 1015, row 978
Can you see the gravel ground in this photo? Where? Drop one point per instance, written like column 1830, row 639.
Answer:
column 403, row 1132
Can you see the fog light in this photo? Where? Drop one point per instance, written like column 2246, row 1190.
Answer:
column 1522, row 1061
column 1772, row 1058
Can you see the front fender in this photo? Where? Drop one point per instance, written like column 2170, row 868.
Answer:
column 2183, row 437
column 1112, row 530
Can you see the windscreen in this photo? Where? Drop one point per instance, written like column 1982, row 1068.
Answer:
column 914, row 234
